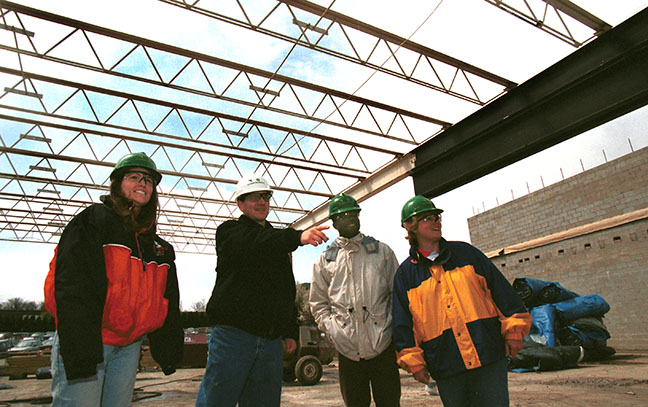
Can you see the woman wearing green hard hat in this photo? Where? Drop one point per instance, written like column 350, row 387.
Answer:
column 112, row 280
column 455, row 316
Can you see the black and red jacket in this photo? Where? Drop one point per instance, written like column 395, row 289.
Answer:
column 110, row 286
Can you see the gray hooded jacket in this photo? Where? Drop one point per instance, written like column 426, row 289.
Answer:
column 351, row 295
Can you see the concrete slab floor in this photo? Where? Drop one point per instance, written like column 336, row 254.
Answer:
column 619, row 381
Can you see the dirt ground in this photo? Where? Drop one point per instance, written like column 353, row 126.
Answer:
column 619, row 381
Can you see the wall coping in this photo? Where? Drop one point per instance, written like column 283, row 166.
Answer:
column 571, row 233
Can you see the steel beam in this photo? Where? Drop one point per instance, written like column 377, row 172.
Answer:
column 583, row 16
column 603, row 80
column 382, row 179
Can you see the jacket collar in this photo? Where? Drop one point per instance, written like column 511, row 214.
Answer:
column 346, row 242
column 108, row 202
column 443, row 258
column 247, row 220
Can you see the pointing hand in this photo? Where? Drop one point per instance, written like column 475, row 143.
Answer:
column 314, row 236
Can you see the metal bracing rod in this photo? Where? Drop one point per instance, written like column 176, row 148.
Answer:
column 403, row 42
column 581, row 15
column 173, row 145
column 26, row 228
column 180, row 225
column 400, row 115
column 102, row 188
column 560, row 7
column 212, row 60
column 380, row 35
column 189, row 108
column 43, row 200
column 41, row 228
column 275, row 158
column 191, row 231
column 79, row 204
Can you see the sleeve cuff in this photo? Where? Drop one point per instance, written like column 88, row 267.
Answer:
column 513, row 336
column 411, row 359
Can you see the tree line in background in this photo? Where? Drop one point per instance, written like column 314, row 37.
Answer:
column 304, row 315
column 18, row 304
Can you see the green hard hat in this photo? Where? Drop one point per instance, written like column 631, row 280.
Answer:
column 133, row 160
column 416, row 205
column 342, row 203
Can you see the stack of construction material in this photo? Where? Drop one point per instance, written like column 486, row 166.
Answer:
column 567, row 327
column 20, row 365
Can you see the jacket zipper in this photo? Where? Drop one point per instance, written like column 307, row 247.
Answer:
column 139, row 250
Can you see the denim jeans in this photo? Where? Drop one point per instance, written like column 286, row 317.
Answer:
column 241, row 368
column 112, row 386
column 485, row 386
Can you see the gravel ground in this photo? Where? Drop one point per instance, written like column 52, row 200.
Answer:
column 619, row 381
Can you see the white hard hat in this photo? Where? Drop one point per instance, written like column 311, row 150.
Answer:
column 251, row 183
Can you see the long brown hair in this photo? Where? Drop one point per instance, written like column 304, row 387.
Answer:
column 147, row 217
column 410, row 226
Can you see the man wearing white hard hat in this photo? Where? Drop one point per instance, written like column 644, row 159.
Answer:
column 252, row 306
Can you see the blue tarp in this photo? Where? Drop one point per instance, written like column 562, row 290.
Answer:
column 554, row 293
column 543, row 326
column 536, row 292
column 592, row 305
column 562, row 321
column 529, row 290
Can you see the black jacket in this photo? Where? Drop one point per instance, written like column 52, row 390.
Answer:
column 255, row 286
column 92, row 246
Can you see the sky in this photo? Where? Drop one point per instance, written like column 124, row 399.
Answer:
column 27, row 263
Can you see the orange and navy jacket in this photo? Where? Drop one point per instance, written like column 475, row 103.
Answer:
column 109, row 286
column 452, row 314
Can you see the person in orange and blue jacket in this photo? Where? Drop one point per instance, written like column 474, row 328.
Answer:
column 455, row 316
column 112, row 280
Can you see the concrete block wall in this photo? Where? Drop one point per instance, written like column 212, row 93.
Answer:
column 617, row 187
column 612, row 263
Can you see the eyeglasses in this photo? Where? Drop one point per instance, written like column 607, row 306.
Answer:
column 137, row 177
column 256, row 196
column 343, row 215
column 436, row 217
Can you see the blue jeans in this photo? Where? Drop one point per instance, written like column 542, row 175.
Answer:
column 485, row 386
column 241, row 368
column 112, row 386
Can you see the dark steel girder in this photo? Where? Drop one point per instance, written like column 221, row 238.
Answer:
column 603, row 80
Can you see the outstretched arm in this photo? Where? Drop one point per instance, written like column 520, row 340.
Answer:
column 314, row 236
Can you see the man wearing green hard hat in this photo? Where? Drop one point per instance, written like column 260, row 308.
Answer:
column 350, row 298
column 456, row 317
